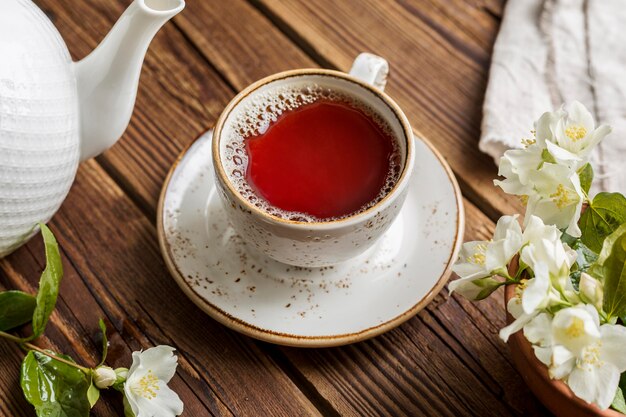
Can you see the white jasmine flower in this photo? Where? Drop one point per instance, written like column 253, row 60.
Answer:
column 104, row 377
column 575, row 134
column 146, row 390
column 476, row 289
column 576, row 327
column 472, row 262
column 588, row 356
column 591, row 290
column 481, row 259
column 551, row 260
column 557, row 197
column 516, row 166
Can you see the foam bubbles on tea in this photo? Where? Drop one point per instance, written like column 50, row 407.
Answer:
column 257, row 116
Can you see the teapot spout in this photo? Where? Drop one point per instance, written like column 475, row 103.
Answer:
column 108, row 77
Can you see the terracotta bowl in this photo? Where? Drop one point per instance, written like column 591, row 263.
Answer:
column 554, row 394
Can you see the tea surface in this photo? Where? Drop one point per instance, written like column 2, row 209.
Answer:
column 326, row 159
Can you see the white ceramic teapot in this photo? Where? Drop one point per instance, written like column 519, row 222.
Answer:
column 55, row 112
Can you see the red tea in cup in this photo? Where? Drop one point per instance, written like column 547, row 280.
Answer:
column 321, row 157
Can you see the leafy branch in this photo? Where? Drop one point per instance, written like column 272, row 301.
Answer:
column 54, row 383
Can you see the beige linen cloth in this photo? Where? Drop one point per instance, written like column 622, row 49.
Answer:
column 550, row 52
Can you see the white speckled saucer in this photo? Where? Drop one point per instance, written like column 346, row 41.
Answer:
column 313, row 307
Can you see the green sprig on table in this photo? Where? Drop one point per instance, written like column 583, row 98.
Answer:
column 52, row 382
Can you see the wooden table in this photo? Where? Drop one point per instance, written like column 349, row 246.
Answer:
column 446, row 361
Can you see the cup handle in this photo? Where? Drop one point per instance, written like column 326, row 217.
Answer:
column 370, row 68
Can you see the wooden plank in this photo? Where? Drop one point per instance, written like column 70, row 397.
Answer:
column 439, row 56
column 12, row 402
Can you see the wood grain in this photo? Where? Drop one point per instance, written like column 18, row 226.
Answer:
column 447, row 361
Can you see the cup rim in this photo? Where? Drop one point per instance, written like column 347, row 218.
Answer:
column 344, row 221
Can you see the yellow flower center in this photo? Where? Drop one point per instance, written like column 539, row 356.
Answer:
column 527, row 142
column 524, row 199
column 561, row 197
column 576, row 329
column 576, row 132
column 148, row 386
column 591, row 357
column 478, row 258
column 519, row 289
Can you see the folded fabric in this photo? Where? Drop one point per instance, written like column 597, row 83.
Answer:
column 550, row 52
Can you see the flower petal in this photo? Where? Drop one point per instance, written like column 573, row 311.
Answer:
column 560, row 154
column 514, row 327
column 161, row 360
column 539, row 331
column 596, row 137
column 505, row 225
column 544, row 354
column 595, row 384
column 577, row 113
column 544, row 126
column 165, row 404
column 536, row 230
column 514, row 307
column 471, row 261
column 475, row 289
column 562, row 362
column 613, row 344
column 535, row 294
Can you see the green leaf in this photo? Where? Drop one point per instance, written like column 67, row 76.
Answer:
column 93, row 394
column 619, row 403
column 586, row 177
column 54, row 388
column 105, row 341
column 586, row 257
column 568, row 240
column 16, row 308
column 48, row 283
column 611, row 269
column 488, row 285
column 604, row 215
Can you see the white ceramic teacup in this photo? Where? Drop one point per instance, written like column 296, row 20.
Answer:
column 324, row 243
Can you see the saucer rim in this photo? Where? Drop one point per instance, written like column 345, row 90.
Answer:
column 287, row 339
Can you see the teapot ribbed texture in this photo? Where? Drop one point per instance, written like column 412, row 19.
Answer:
column 39, row 128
